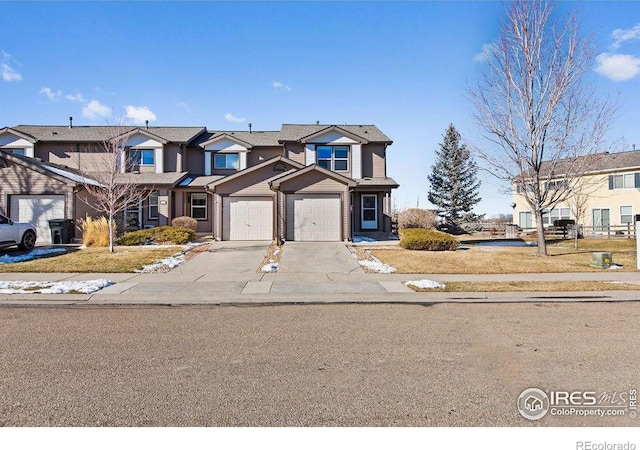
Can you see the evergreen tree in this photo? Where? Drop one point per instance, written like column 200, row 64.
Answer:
column 454, row 184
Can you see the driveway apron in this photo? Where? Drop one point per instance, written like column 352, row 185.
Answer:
column 317, row 257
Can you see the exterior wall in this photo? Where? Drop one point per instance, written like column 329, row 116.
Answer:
column 373, row 161
column 384, row 217
column 172, row 158
column 599, row 197
column 194, row 160
column 258, row 155
column 182, row 207
column 295, row 152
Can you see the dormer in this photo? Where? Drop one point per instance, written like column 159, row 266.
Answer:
column 225, row 153
column 16, row 142
column 144, row 152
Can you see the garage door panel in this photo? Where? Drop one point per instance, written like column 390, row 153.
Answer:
column 247, row 219
column 38, row 210
column 314, row 217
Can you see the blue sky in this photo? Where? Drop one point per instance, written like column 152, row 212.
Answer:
column 403, row 66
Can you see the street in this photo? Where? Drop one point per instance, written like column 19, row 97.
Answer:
column 310, row 365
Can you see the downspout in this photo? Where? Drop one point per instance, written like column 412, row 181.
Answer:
column 214, row 215
column 278, row 216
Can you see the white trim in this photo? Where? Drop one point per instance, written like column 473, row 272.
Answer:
column 243, row 161
column 356, row 161
column 309, row 154
column 159, row 160
column 208, row 164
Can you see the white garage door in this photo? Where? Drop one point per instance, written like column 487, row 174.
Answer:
column 247, row 219
column 315, row 217
column 37, row 210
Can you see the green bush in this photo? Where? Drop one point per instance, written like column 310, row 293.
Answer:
column 422, row 239
column 158, row 235
column 185, row 222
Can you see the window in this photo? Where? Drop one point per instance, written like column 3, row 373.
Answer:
column 526, row 219
column 624, row 181
column 142, row 157
column 556, row 214
column 626, row 214
column 153, row 205
column 333, row 157
column 601, row 219
column 132, row 217
column 199, row 206
column 226, row 161
column 16, row 151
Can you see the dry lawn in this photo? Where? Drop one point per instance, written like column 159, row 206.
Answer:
column 498, row 260
column 532, row 286
column 95, row 259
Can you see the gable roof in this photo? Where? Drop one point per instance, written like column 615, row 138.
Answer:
column 312, row 168
column 61, row 173
column 259, row 166
column 19, row 134
column 53, row 133
column 301, row 132
column 253, row 139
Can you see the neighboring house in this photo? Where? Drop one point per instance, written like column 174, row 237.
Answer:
column 303, row 183
column 611, row 192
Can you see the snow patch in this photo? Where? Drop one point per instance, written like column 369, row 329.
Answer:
column 425, row 284
column 33, row 254
column 163, row 264
column 53, row 287
column 614, row 267
column 271, row 267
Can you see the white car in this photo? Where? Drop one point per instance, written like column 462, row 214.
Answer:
column 16, row 233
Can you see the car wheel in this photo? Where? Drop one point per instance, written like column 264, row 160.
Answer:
column 28, row 241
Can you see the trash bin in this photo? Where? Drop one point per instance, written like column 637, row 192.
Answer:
column 61, row 231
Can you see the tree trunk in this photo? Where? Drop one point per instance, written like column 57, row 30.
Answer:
column 111, row 248
column 542, row 244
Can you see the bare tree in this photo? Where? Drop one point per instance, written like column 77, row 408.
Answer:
column 582, row 191
column 108, row 189
column 539, row 116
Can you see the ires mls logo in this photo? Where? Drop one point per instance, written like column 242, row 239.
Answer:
column 534, row 403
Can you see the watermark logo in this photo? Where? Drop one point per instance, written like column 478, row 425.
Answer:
column 533, row 404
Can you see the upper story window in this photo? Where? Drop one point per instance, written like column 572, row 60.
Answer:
column 624, row 181
column 333, row 157
column 226, row 161
column 16, row 151
column 142, row 157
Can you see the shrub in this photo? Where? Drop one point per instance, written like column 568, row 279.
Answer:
column 417, row 218
column 421, row 239
column 95, row 232
column 185, row 222
column 158, row 235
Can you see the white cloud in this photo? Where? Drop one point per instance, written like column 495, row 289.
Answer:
column 50, row 94
column 280, row 87
column 621, row 35
column 485, row 52
column 140, row 113
column 617, row 67
column 95, row 110
column 185, row 107
column 231, row 118
column 9, row 74
column 75, row 98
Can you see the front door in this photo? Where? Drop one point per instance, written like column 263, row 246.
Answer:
column 369, row 212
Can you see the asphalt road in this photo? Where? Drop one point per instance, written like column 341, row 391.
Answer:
column 310, row 365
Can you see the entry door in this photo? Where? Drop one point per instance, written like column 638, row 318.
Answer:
column 369, row 212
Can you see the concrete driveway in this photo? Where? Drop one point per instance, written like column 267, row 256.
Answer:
column 228, row 257
column 317, row 257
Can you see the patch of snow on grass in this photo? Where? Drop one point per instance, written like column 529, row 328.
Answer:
column 614, row 267
column 271, row 267
column 375, row 264
column 425, row 284
column 33, row 254
column 163, row 264
column 52, row 287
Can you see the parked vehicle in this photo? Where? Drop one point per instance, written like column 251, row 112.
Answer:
column 17, row 233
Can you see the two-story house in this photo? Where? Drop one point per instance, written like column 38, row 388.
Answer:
column 303, row 182
column 608, row 194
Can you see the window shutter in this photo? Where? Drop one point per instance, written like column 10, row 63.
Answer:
column 610, row 182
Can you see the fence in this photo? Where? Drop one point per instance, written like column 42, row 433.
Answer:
column 606, row 231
